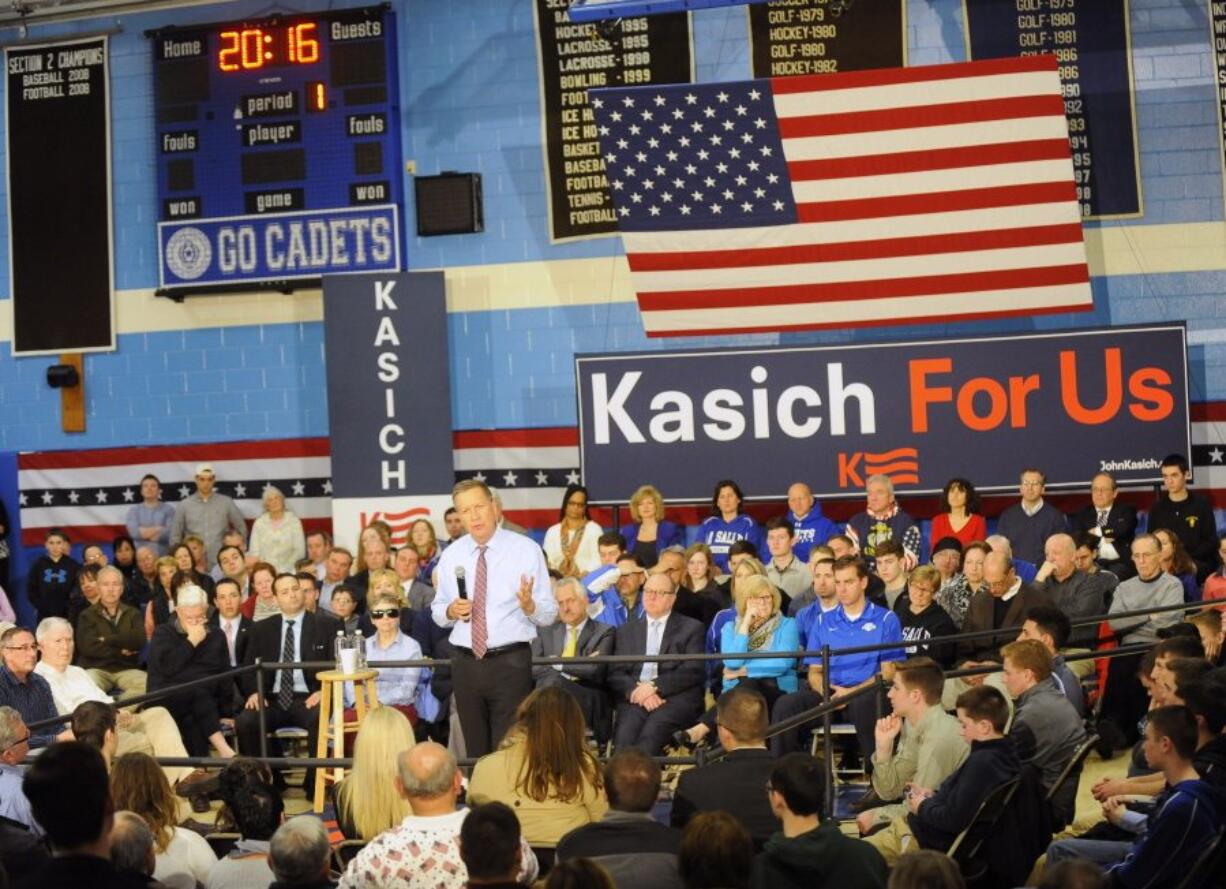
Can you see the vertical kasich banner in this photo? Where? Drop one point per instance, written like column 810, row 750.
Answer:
column 573, row 58
column 791, row 37
column 389, row 403
column 1070, row 403
column 59, row 188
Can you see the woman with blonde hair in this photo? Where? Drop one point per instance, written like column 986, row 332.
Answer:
column 366, row 799
column 425, row 543
column 162, row 601
column 277, row 536
column 759, row 626
column 544, row 770
column 138, row 785
column 648, row 535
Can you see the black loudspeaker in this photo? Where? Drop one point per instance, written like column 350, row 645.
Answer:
column 449, row 204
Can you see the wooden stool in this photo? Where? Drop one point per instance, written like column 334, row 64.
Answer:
column 332, row 707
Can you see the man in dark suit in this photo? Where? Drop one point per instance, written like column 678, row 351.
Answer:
column 293, row 695
column 1001, row 605
column 734, row 783
column 228, row 617
column 656, row 698
column 574, row 635
column 1114, row 524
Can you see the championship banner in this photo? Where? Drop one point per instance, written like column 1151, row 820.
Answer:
column 791, row 37
column 58, row 148
column 574, row 57
column 1070, row 403
column 389, row 402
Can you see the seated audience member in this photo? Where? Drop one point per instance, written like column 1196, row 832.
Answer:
column 890, row 565
column 576, row 635
column 636, row 850
column 855, row 622
column 162, row 601
column 183, row 856
column 785, row 569
column 1046, row 729
column 229, row 619
column 191, row 559
column 947, row 559
column 701, row 595
column 823, row 591
column 1023, row 568
column 407, row 565
column 395, row 686
column 960, row 515
column 23, row 689
column 715, row 853
column 1047, row 624
column 94, row 723
column 336, row 571
column 1215, row 583
column 132, row 848
column 1085, row 556
column 1077, row 594
column 256, row 810
column 141, row 586
column 84, row 594
column 152, row 730
column 733, row 783
column 344, row 608
column 300, row 855
column 1073, row 873
column 545, row 768
column 656, row 698
column 14, row 745
column 1123, row 697
column 727, row 524
column 110, row 636
column 310, row 589
column 1184, row 820
column 261, row 602
column 972, row 570
column 490, row 845
column 570, row 545
column 1209, row 625
column 930, row 743
column 936, row 817
column 926, row 869
column 923, row 619
column 1111, row 523
column 580, row 873
column 883, row 520
column 366, row 799
column 759, row 627
column 375, row 555
column 232, row 566
column 616, row 597
column 1177, row 563
column 805, row 516
column 811, row 852
column 1028, row 524
column 184, row 649
column 70, row 797
column 423, row 850
column 649, row 534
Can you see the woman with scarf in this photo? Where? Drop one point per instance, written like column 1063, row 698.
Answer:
column 759, row 626
column 570, row 545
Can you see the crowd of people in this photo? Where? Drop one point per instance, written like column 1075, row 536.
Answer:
column 546, row 659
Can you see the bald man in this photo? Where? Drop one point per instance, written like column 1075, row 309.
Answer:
column 1077, row 594
column 805, row 516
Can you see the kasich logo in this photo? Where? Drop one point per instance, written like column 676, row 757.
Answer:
column 189, row 253
column 900, row 464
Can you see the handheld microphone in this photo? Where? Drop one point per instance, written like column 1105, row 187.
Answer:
column 459, row 581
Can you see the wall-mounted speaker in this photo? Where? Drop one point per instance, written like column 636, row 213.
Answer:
column 449, row 204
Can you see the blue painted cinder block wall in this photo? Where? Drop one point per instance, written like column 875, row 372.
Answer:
column 470, row 99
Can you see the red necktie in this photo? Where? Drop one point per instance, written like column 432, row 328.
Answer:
column 480, row 633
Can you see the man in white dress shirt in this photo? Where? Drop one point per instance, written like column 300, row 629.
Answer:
column 508, row 597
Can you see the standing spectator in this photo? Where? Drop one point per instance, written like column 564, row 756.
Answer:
column 883, row 520
column 637, row 850
column 1028, row 524
column 959, row 516
column 366, row 799
column 139, row 786
column 52, row 576
column 1188, row 514
column 571, row 544
column 509, row 596
column 424, row 542
column 1112, row 524
column 728, row 523
column 299, row 855
column 805, row 516
column 649, row 534
column 110, row 637
column 810, row 852
column 149, row 521
column 70, row 796
column 207, row 515
column 276, row 535
column 715, row 853
column 545, row 768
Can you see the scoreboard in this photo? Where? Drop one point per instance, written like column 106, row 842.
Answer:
column 278, row 151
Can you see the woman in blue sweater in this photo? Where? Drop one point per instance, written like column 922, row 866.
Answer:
column 759, row 626
column 727, row 523
column 649, row 535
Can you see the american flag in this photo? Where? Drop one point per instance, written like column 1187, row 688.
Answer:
column 843, row 200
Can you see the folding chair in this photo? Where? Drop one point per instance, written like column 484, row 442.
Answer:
column 967, row 844
column 1074, row 766
column 1211, row 861
column 345, row 853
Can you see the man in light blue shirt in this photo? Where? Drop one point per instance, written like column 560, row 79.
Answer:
column 14, row 745
column 507, row 596
column 149, row 521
